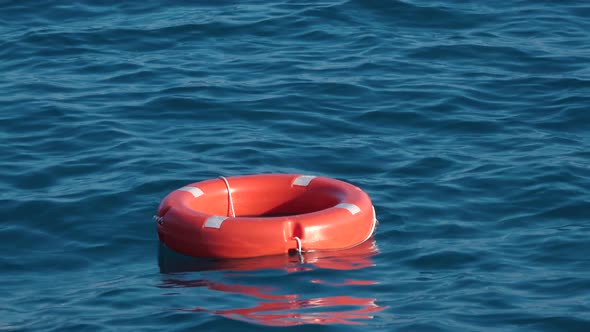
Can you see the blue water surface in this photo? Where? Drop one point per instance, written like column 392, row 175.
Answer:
column 467, row 122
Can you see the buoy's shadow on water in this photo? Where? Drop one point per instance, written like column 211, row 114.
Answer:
column 278, row 309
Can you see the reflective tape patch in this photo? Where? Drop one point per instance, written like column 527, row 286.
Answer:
column 303, row 180
column 350, row 207
column 193, row 190
column 214, row 221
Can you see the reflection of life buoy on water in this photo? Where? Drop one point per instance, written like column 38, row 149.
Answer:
column 272, row 308
column 354, row 258
column 284, row 313
column 259, row 215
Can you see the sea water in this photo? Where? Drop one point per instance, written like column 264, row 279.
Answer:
column 467, row 123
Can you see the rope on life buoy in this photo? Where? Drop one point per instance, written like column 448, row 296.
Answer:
column 299, row 250
column 231, row 203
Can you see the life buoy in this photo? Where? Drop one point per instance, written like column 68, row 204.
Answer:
column 259, row 215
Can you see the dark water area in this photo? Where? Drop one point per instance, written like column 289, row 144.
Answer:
column 467, row 123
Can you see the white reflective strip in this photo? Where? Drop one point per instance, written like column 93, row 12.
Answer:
column 214, row 222
column 303, row 180
column 193, row 190
column 350, row 207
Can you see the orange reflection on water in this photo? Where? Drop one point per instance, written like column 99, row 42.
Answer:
column 287, row 313
column 284, row 309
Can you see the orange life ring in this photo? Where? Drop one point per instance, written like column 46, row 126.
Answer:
column 259, row 215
